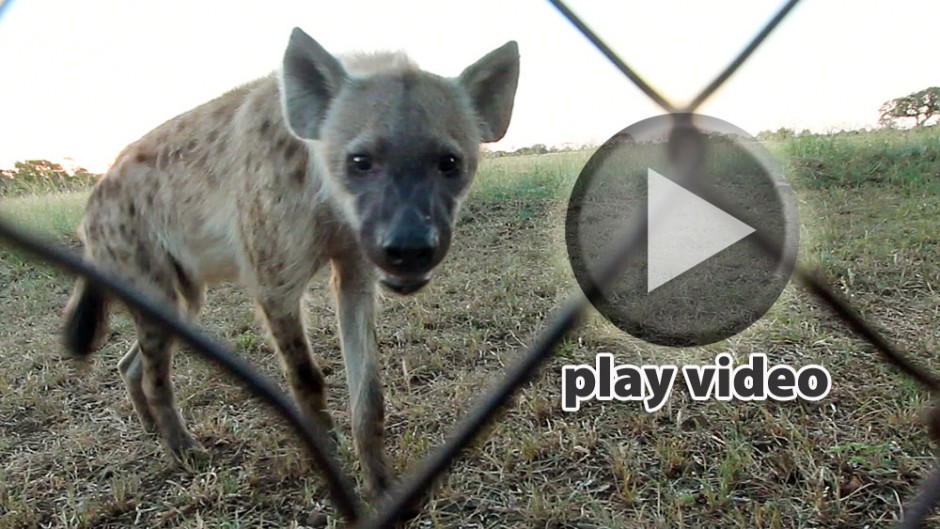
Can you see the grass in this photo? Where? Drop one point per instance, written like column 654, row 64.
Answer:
column 55, row 215
column 902, row 159
column 72, row 454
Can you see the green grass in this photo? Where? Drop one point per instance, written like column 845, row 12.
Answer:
column 903, row 159
column 73, row 455
column 536, row 177
column 54, row 215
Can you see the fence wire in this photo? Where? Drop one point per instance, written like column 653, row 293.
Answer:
column 473, row 424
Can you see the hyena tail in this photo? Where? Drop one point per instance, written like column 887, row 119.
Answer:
column 86, row 319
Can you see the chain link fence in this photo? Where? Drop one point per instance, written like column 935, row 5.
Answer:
column 565, row 318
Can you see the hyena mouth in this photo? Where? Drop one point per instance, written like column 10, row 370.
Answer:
column 404, row 285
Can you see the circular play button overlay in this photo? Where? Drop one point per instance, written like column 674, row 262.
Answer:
column 721, row 231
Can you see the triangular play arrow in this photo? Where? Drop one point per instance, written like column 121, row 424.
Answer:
column 683, row 231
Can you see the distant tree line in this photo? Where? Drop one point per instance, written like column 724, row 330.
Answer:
column 42, row 176
column 538, row 148
column 782, row 133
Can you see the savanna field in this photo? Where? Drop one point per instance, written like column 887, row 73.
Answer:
column 72, row 454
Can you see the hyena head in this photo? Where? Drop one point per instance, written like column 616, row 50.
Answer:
column 398, row 146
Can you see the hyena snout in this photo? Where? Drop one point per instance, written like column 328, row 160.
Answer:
column 407, row 251
column 410, row 250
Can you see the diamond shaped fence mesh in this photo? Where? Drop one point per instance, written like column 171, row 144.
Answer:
column 473, row 424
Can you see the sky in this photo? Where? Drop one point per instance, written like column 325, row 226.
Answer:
column 81, row 80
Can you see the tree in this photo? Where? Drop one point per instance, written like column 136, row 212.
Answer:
column 40, row 170
column 920, row 106
column 43, row 176
column 782, row 133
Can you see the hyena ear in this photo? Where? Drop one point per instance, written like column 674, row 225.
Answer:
column 491, row 83
column 309, row 80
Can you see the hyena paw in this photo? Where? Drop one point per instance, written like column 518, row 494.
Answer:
column 378, row 491
column 324, row 422
column 186, row 451
column 143, row 413
column 148, row 423
column 375, row 493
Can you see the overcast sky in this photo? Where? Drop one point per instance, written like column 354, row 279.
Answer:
column 84, row 79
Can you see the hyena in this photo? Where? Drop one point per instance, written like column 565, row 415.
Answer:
column 361, row 161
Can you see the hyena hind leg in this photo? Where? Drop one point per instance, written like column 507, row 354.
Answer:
column 131, row 367
column 194, row 294
column 147, row 366
column 154, row 354
column 132, row 374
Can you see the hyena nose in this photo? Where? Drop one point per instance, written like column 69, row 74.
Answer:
column 411, row 251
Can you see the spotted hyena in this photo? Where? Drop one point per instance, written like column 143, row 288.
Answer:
column 360, row 161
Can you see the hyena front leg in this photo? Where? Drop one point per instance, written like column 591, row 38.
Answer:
column 354, row 288
column 306, row 380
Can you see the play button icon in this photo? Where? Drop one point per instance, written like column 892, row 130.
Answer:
column 699, row 273
column 680, row 237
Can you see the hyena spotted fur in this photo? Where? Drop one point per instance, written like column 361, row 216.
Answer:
column 359, row 161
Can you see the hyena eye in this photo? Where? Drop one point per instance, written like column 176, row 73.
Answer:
column 360, row 163
column 449, row 165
